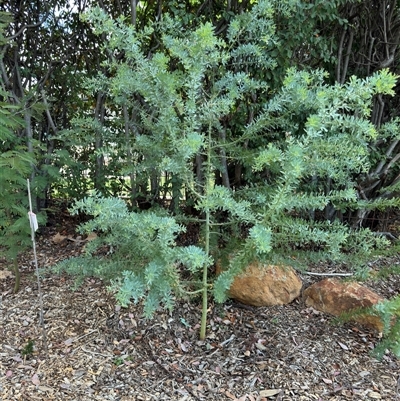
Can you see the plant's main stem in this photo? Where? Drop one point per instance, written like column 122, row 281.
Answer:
column 205, row 279
column 207, row 241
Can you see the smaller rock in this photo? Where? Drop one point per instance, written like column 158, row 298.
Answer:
column 266, row 285
column 335, row 297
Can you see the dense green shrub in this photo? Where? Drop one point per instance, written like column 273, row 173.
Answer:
column 15, row 167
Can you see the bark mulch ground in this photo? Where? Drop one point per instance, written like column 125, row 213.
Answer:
column 98, row 351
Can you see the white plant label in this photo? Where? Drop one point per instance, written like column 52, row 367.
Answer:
column 33, row 221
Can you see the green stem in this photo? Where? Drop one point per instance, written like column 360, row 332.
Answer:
column 205, row 277
column 207, row 241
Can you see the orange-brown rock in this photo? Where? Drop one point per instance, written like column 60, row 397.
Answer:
column 335, row 297
column 264, row 285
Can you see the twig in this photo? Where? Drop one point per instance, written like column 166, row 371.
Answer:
column 328, row 274
column 82, row 336
column 386, row 234
column 33, row 224
column 95, row 353
column 227, row 341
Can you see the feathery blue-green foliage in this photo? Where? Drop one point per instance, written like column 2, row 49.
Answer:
column 303, row 151
column 389, row 312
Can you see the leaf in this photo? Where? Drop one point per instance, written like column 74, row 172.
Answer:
column 269, row 393
column 69, row 341
column 183, row 347
column 58, row 238
column 343, row 346
column 230, row 395
column 184, row 322
column 374, row 395
column 327, row 381
column 260, row 346
column 45, row 389
column 35, row 380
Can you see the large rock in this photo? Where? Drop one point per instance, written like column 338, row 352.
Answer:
column 335, row 297
column 265, row 285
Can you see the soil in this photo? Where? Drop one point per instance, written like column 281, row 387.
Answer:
column 91, row 349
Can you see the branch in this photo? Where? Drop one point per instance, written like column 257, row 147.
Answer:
column 378, row 114
column 371, row 47
column 364, row 191
column 51, row 122
column 386, row 234
column 384, row 7
column 346, row 60
column 202, row 6
column 4, row 75
column 388, row 153
column 329, row 274
column 29, row 26
column 394, row 160
column 340, row 55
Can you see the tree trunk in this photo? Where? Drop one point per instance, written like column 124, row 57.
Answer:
column 99, row 176
column 129, row 156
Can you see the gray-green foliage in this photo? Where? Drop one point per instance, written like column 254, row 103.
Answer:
column 304, row 149
column 328, row 135
column 389, row 312
column 179, row 119
column 137, row 251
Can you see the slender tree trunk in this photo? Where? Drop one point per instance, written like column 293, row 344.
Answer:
column 29, row 143
column 99, row 177
column 129, row 156
column 155, row 186
column 176, row 184
column 133, row 12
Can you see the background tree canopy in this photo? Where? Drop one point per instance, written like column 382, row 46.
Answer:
column 50, row 52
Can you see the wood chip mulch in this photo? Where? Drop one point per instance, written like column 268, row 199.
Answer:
column 99, row 351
